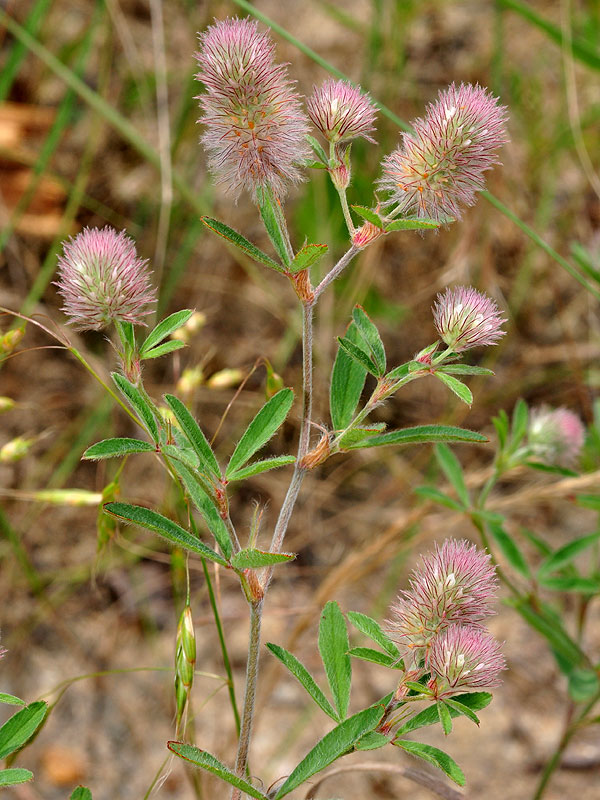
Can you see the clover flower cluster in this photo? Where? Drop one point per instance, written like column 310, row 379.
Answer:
column 102, row 280
column 341, row 112
column 440, row 165
column 438, row 623
column 466, row 318
column 254, row 125
column 555, row 436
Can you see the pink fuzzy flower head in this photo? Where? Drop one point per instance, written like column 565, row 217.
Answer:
column 463, row 658
column 455, row 584
column 254, row 126
column 102, row 280
column 555, row 436
column 466, row 318
column 440, row 166
column 341, row 112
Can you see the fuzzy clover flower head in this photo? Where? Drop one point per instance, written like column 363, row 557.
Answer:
column 102, row 280
column 439, row 167
column 341, row 111
column 254, row 125
column 466, row 318
column 456, row 584
column 555, row 436
column 463, row 658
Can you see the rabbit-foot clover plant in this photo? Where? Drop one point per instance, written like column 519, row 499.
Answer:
column 257, row 138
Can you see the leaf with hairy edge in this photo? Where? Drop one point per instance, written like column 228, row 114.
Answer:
column 334, row 646
column 261, row 429
column 373, row 630
column 444, row 717
column 520, row 421
column 510, row 549
column 548, row 623
column 360, row 433
column 565, row 555
column 434, row 756
column 300, row 672
column 398, row 373
column 204, row 760
column 12, row 777
column 169, row 530
column 333, row 745
column 165, row 328
column 81, row 793
column 370, row 215
column 116, row 448
column 254, row 559
column 475, row 701
column 436, row 496
column 461, row 708
column 19, row 728
column 458, row 387
column 412, row 225
column 10, row 699
column 422, row 434
column 452, row 469
column 194, row 434
column 164, row 349
column 370, row 335
column 373, row 741
column 272, row 217
column 138, row 403
column 464, row 369
column 358, row 355
column 316, row 146
column 206, row 507
column 260, row 466
column 375, row 657
column 235, row 238
column 307, row 256
column 347, row 382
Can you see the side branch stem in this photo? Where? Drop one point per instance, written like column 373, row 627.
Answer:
column 335, row 272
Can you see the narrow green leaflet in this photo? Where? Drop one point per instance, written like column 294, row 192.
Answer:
column 138, row 403
column 571, row 583
column 274, row 223
column 520, row 421
column 370, row 334
column 375, row 657
column 434, row 756
column 444, row 717
column 452, row 469
column 116, row 448
column 164, row 348
column 10, row 699
column 373, row 741
column 194, row 435
column 21, row 726
column 370, row 215
column 436, row 496
column 421, row 435
column 359, row 434
column 475, row 701
column 462, row 709
column 398, row 373
column 373, row 630
column 546, row 622
column 347, row 382
column 583, row 684
column 359, row 355
column 260, row 466
column 204, row 760
column 458, row 387
column 316, row 146
column 165, row 328
column 260, row 430
column 300, row 672
column 565, row 555
column 412, row 225
column 207, row 508
column 589, row 501
column 510, row 549
column 307, row 256
column 464, row 369
column 11, row 777
column 501, row 425
column 153, row 521
column 333, row 745
column 81, row 793
column 254, row 559
column 334, row 646
column 235, row 238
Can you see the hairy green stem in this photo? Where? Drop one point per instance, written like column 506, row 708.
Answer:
column 334, row 273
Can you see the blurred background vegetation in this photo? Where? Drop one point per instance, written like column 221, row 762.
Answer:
column 98, row 126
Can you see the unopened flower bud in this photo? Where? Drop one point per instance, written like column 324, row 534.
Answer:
column 191, row 378
column 15, row 450
column 466, row 318
column 439, row 167
column 185, row 660
column 225, row 379
column 10, row 340
column 69, row 497
column 6, row 404
column 102, row 280
column 341, row 111
column 555, row 436
column 464, row 658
